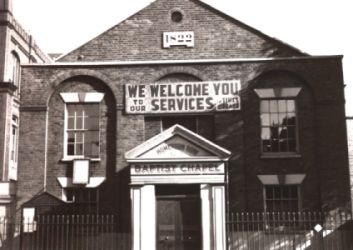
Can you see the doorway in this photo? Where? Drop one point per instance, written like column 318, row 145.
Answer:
column 178, row 217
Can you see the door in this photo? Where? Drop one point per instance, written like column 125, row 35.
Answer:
column 178, row 223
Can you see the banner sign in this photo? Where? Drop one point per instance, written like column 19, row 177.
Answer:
column 177, row 169
column 182, row 97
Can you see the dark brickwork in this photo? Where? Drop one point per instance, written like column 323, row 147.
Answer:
column 32, row 154
column 321, row 127
column 216, row 36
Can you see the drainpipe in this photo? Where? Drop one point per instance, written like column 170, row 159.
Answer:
column 226, row 166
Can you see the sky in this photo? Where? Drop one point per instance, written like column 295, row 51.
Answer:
column 317, row 27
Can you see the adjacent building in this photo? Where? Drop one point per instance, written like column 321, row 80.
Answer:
column 16, row 47
column 174, row 118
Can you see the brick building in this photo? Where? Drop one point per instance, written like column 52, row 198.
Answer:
column 181, row 110
column 16, row 47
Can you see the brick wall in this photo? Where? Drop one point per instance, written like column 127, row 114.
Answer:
column 323, row 153
column 216, row 36
column 31, row 163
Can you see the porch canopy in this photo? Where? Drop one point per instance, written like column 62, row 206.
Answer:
column 182, row 157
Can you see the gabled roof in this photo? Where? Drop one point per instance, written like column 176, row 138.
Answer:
column 178, row 144
column 43, row 198
column 217, row 35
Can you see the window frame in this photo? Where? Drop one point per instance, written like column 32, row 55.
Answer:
column 73, row 195
column 288, row 93
column 78, row 191
column 14, row 140
column 15, row 72
column 80, row 98
column 83, row 131
column 299, row 197
column 296, row 137
column 13, row 147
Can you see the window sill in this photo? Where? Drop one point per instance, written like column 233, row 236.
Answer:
column 280, row 156
column 80, row 158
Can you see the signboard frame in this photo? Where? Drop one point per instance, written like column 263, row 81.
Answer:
column 183, row 97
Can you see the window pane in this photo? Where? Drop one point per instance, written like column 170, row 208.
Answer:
column 273, row 106
column 79, row 137
column 70, row 143
column 283, row 146
column 70, row 149
column 277, row 191
column 282, row 106
column 95, row 150
column 294, row 193
column 71, row 123
column 92, row 136
column 269, row 193
column 274, row 119
column 283, row 132
column 70, row 109
column 291, row 118
column 265, row 119
column 70, row 137
column 79, row 149
column 92, row 150
column 79, row 122
column 265, row 133
column 88, row 149
column 92, row 123
column 283, row 142
column 282, row 119
column 274, row 146
column 285, row 192
column 291, row 132
column 92, row 110
column 266, row 146
column 264, row 106
column 266, row 142
column 79, row 108
column 274, row 133
column 290, row 106
column 92, row 144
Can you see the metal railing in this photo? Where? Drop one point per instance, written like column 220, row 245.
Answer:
column 290, row 231
column 246, row 231
column 63, row 232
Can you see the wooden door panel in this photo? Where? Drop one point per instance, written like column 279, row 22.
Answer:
column 191, row 220
column 178, row 224
column 166, row 224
